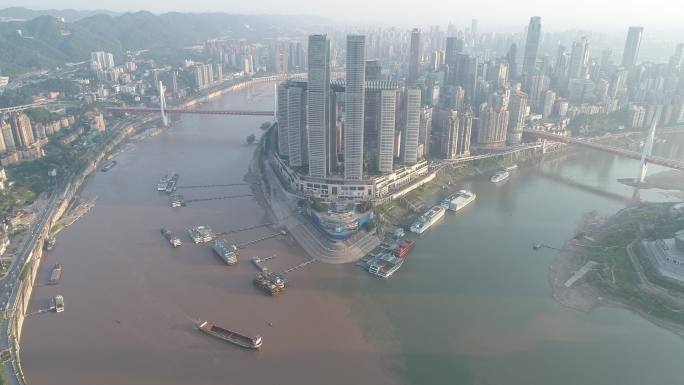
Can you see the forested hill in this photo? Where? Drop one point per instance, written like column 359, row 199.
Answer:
column 45, row 41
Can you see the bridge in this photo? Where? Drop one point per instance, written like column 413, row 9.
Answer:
column 145, row 110
column 645, row 157
column 24, row 106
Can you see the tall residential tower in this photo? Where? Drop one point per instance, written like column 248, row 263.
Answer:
column 354, row 99
column 318, row 104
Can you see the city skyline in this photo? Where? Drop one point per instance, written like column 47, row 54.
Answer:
column 584, row 14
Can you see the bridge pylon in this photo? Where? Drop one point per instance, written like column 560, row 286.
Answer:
column 648, row 147
column 162, row 105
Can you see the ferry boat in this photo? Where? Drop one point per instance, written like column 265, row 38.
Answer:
column 511, row 167
column 428, row 219
column 459, row 200
column 56, row 274
column 227, row 253
column 500, row 176
column 58, row 303
column 229, row 336
column 173, row 240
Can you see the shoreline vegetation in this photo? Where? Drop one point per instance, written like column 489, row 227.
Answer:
column 624, row 276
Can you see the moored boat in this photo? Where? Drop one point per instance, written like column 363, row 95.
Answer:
column 56, row 274
column 227, row 253
column 428, row 219
column 460, row 200
column 58, row 303
column 404, row 248
column 229, row 336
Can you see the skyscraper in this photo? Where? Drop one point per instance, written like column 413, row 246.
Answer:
column 629, row 55
column 412, row 126
column 291, row 114
column 318, row 103
column 281, row 118
column 465, row 131
column 511, row 57
column 373, row 70
column 354, row 103
column 414, row 57
column 448, row 122
column 677, row 59
column 579, row 58
column 532, row 45
column 388, row 109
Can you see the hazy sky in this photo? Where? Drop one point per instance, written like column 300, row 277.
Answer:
column 605, row 15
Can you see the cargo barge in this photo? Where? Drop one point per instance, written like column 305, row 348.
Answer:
column 229, row 336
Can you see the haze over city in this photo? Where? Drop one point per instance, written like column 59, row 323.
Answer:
column 600, row 15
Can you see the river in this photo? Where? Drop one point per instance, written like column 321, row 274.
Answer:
column 471, row 306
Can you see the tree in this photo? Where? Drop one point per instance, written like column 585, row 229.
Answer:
column 251, row 138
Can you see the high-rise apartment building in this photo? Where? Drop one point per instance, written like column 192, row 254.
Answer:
column 318, row 104
column 516, row 120
column 387, row 123
column 21, row 130
column 354, row 103
column 411, row 126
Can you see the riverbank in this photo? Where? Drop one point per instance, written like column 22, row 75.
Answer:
column 621, row 278
column 135, row 298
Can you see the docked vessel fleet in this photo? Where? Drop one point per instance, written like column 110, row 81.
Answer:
column 227, row 253
column 201, row 234
column 168, row 183
column 459, row 200
column 270, row 282
column 387, row 262
column 230, row 336
column 428, row 219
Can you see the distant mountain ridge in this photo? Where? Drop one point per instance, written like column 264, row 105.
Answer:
column 69, row 15
column 46, row 42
